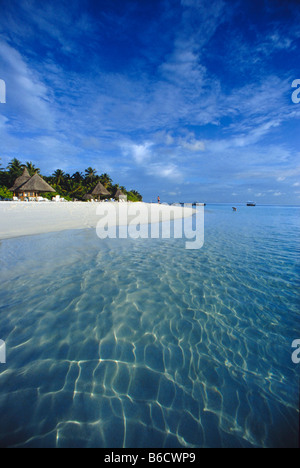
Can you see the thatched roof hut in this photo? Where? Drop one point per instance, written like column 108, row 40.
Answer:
column 100, row 190
column 119, row 193
column 20, row 180
column 87, row 196
column 33, row 186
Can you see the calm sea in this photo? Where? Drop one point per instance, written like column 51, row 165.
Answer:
column 142, row 343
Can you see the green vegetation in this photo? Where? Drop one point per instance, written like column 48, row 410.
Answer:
column 67, row 186
column 5, row 193
column 133, row 196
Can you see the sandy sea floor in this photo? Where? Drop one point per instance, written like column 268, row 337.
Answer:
column 143, row 343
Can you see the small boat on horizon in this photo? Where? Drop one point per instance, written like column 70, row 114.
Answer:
column 251, row 203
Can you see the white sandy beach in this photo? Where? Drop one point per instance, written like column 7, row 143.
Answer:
column 24, row 219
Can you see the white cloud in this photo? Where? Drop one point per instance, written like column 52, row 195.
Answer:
column 142, row 153
column 148, row 157
column 164, row 170
column 193, row 145
column 29, row 101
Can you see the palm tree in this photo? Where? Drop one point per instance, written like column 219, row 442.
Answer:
column 15, row 169
column 76, row 189
column 136, row 194
column 74, row 186
column 105, row 180
column 58, row 177
column 90, row 175
column 32, row 169
column 77, row 177
column 3, row 176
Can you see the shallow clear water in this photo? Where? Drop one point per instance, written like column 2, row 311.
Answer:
column 141, row 343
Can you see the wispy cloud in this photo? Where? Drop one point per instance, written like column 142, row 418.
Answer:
column 192, row 91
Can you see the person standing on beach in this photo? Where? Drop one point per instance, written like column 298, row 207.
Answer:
column 158, row 200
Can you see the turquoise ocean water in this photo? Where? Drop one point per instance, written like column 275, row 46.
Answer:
column 142, row 343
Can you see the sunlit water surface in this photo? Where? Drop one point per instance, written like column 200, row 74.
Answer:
column 142, row 343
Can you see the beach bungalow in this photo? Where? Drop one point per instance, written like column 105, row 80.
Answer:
column 99, row 191
column 87, row 197
column 30, row 188
column 20, row 181
column 120, row 195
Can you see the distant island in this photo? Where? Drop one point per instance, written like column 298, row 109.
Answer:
column 77, row 186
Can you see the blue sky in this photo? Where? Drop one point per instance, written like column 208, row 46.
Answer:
column 186, row 99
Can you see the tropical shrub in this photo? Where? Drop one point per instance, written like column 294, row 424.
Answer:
column 5, row 193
